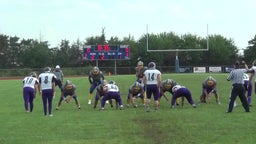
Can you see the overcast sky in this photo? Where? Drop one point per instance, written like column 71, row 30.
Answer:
column 56, row 20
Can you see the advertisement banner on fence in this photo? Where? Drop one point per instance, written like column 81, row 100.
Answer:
column 215, row 69
column 199, row 69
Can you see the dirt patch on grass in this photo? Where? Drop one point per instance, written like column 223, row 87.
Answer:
column 11, row 78
column 152, row 129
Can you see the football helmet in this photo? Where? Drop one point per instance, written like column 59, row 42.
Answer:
column 68, row 82
column 68, row 85
column 210, row 81
column 171, row 82
column 33, row 74
column 47, row 69
column 57, row 67
column 136, row 84
column 104, row 82
column 210, row 78
column 112, row 82
column 140, row 63
column 95, row 70
column 152, row 65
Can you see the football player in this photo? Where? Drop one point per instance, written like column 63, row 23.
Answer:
column 100, row 93
column 136, row 90
column 252, row 71
column 95, row 78
column 181, row 91
column 152, row 80
column 140, row 71
column 248, row 89
column 111, row 91
column 208, row 87
column 59, row 74
column 47, row 85
column 30, row 88
column 68, row 89
column 166, row 86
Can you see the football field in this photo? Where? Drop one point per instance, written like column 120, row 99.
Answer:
column 207, row 124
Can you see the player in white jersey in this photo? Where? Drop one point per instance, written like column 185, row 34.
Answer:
column 181, row 91
column 152, row 80
column 30, row 88
column 111, row 92
column 47, row 86
column 252, row 70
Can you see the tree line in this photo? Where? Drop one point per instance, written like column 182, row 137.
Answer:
column 16, row 52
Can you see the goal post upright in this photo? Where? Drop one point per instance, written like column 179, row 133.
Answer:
column 177, row 67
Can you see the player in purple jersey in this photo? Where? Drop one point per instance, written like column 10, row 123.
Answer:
column 95, row 77
column 248, row 89
column 100, row 94
column 181, row 91
column 136, row 90
column 30, row 88
column 47, row 89
column 68, row 89
column 152, row 80
column 252, row 72
column 209, row 86
column 111, row 91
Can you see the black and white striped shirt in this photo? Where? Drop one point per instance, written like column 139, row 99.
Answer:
column 236, row 76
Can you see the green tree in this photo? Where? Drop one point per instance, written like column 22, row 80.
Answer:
column 36, row 55
column 250, row 51
column 4, row 43
column 62, row 55
column 221, row 51
column 75, row 54
column 14, row 51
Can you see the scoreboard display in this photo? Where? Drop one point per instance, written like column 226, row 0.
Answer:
column 106, row 52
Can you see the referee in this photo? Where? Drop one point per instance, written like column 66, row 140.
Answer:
column 238, row 89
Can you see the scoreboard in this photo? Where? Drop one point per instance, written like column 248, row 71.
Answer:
column 106, row 52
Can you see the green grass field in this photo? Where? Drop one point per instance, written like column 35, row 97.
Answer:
column 207, row 124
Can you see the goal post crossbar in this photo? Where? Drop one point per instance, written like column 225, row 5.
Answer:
column 176, row 50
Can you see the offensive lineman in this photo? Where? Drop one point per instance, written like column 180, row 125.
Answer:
column 182, row 91
column 68, row 89
column 111, row 91
column 136, row 90
column 100, row 94
column 208, row 87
